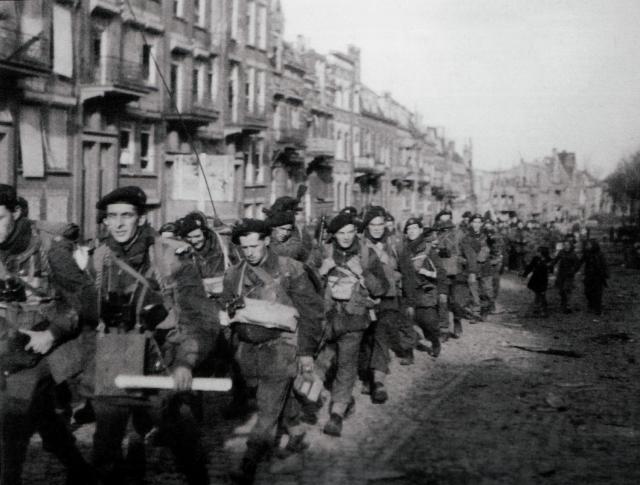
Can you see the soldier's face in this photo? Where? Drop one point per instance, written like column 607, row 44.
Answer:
column 7, row 222
column 476, row 224
column 346, row 235
column 253, row 248
column 413, row 231
column 122, row 221
column 376, row 227
column 282, row 233
column 196, row 238
column 299, row 218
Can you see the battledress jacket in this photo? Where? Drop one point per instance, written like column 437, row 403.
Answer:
column 419, row 290
column 45, row 260
column 352, row 315
column 171, row 273
column 295, row 288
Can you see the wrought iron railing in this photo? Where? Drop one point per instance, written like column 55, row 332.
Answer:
column 115, row 70
column 19, row 48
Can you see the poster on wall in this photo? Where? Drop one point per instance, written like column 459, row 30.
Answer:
column 190, row 184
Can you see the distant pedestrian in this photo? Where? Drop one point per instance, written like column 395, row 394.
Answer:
column 567, row 266
column 596, row 274
column 539, row 268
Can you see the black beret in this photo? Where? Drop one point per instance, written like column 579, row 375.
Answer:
column 191, row 222
column 411, row 221
column 24, row 206
column 247, row 226
column 8, row 196
column 389, row 217
column 285, row 203
column 373, row 212
column 130, row 194
column 475, row 216
column 442, row 213
column 352, row 211
column 467, row 214
column 281, row 218
column 339, row 221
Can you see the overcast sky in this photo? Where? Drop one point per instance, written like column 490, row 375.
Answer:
column 519, row 77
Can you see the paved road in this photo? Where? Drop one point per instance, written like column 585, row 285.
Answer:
column 484, row 412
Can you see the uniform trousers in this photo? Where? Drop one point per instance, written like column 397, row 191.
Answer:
column 176, row 423
column 20, row 418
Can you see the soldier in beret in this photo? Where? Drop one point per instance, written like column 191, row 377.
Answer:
column 285, row 238
column 353, row 277
column 210, row 252
column 392, row 330
column 269, row 355
column 421, row 276
column 147, row 284
column 37, row 270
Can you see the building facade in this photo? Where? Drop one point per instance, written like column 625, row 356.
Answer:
column 549, row 189
column 206, row 106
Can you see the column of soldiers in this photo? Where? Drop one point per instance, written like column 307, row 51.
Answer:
column 282, row 313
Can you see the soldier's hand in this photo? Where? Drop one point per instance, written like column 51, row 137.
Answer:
column 443, row 298
column 327, row 265
column 40, row 342
column 472, row 278
column 182, row 378
column 305, row 367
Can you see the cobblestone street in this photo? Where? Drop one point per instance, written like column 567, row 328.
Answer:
column 483, row 412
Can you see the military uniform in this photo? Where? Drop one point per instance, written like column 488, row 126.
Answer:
column 567, row 264
column 268, row 356
column 420, row 281
column 355, row 277
column 453, row 290
column 146, row 272
column 55, row 298
column 392, row 330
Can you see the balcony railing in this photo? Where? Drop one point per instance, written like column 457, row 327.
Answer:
column 112, row 70
column 295, row 136
column 198, row 112
column 321, row 146
column 19, row 49
column 366, row 162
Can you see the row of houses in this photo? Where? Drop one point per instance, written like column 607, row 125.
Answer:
column 549, row 189
column 197, row 98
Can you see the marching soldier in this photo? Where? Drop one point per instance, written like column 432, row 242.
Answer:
column 285, row 238
column 567, row 263
column 392, row 329
column 38, row 279
column 154, row 318
column 420, row 279
column 279, row 332
column 210, row 253
column 452, row 291
column 354, row 277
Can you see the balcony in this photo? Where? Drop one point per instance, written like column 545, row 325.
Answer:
column 318, row 146
column 200, row 112
column 24, row 55
column 114, row 77
column 367, row 165
column 292, row 136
